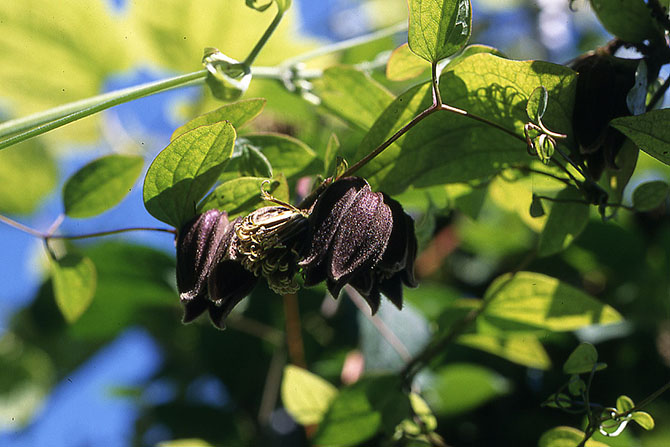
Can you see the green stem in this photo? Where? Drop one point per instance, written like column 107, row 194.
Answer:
column 80, row 109
column 264, row 39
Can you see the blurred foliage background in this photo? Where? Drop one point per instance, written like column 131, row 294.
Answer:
column 129, row 373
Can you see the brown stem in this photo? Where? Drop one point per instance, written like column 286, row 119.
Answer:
column 296, row 350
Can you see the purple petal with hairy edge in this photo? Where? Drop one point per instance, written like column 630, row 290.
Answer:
column 228, row 284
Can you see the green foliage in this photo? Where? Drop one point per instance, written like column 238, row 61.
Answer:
column 238, row 114
column 583, row 360
column 239, row 196
column 100, row 185
column 566, row 437
column 487, row 85
column 29, row 160
column 74, row 282
column 649, row 131
column 566, row 220
column 185, row 170
column 629, row 20
column 439, row 28
column 306, row 396
column 650, row 195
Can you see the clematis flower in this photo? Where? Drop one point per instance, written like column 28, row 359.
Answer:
column 208, row 277
column 361, row 238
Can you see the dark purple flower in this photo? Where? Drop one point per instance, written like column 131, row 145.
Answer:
column 207, row 279
column 361, row 238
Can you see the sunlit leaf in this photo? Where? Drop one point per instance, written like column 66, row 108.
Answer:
column 566, row 437
column 624, row 403
column 28, row 173
column 185, row 170
column 428, row 421
column 650, row 195
column 524, row 349
column 306, row 396
column 74, row 283
column 643, row 419
column 83, row 43
column 629, row 20
column 567, row 219
column 439, row 28
column 238, row 196
column 101, row 184
column 185, row 443
column 532, row 301
column 352, row 95
column 403, row 64
column 237, row 113
column 330, row 155
column 286, row 154
column 449, row 148
column 650, row 132
column 461, row 387
column 537, row 104
column 582, row 360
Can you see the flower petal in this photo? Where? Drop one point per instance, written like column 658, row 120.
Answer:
column 229, row 282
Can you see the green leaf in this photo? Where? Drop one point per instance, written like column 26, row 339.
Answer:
column 560, row 400
column 536, row 208
column 649, row 131
column 237, row 113
column 565, row 222
column 101, row 184
column 306, row 396
column 650, row 195
column 438, row 28
column 428, row 421
column 531, row 301
column 238, row 196
column 624, row 403
column 74, row 283
column 253, row 162
column 286, row 154
column 489, row 86
column 629, row 20
column 26, row 377
column 643, row 419
column 28, row 160
column 352, row 95
column 462, row 387
column 537, row 104
column 576, row 386
column 403, row 64
column 191, row 442
column 132, row 283
column 185, row 170
column 523, row 349
column 582, row 360
column 330, row 155
column 566, row 437
column 359, row 411
column 85, row 44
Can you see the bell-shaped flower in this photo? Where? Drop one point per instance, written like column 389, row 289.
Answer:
column 361, row 238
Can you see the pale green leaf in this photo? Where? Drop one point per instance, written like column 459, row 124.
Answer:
column 537, row 104
column 582, row 360
column 449, row 148
column 649, row 131
column 650, row 195
column 330, row 155
column 421, row 411
column 306, row 396
column 403, row 64
column 630, row 20
column 643, row 419
column 28, row 160
column 566, row 437
column 83, row 44
column 624, row 403
column 352, row 95
column 237, row 113
column 460, row 387
column 185, row 170
column 238, row 196
column 74, row 283
column 531, row 301
column 438, row 28
column 101, row 184
column 523, row 349
column 190, row 442
column 567, row 219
